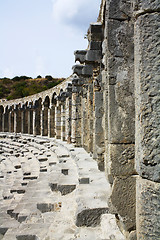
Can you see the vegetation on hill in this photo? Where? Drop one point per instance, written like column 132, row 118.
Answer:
column 24, row 86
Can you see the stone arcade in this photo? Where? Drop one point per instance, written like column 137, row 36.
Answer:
column 109, row 111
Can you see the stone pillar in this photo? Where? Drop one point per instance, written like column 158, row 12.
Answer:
column 44, row 121
column 1, row 117
column 58, row 120
column 5, row 121
column 11, row 121
column 17, row 120
column 51, row 121
column 30, row 120
column 105, row 116
column 63, row 138
column 84, row 122
column 76, row 133
column 36, row 120
column 118, row 60
column 147, row 89
column 99, row 147
column 90, row 115
column 24, row 120
column 68, row 117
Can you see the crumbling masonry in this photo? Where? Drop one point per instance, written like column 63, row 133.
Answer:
column 110, row 106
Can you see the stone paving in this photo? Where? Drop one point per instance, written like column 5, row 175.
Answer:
column 51, row 190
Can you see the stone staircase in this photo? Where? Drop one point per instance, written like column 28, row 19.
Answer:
column 51, row 190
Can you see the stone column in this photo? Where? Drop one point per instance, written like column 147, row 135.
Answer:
column 30, row 120
column 1, row 118
column 11, row 121
column 63, row 138
column 68, row 117
column 98, row 132
column 118, row 60
column 147, row 101
column 90, row 115
column 84, row 121
column 51, row 121
column 58, row 120
column 44, row 121
column 76, row 133
column 36, row 120
column 17, row 120
column 5, row 122
column 24, row 120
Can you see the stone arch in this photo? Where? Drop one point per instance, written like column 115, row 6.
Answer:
column 5, row 124
column 37, row 106
column 46, row 102
column 45, row 116
column 24, row 117
column 11, row 118
column 51, row 116
column 53, row 100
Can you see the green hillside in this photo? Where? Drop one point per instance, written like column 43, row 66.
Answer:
column 24, row 86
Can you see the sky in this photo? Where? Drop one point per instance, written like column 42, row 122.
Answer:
column 39, row 37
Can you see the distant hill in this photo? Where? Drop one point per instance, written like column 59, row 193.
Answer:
column 24, row 86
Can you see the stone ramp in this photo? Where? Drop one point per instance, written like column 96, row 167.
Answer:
column 51, row 190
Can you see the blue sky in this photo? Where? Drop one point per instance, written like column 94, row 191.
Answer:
column 40, row 36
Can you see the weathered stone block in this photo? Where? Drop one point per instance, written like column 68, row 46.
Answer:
column 120, row 39
column 148, row 211
column 77, row 69
column 121, row 159
column 147, row 6
column 98, row 104
column 98, row 126
column 27, row 237
column 90, row 217
column 147, row 81
column 123, row 199
column 95, row 32
column 121, row 112
column 95, row 45
column 66, row 189
column 45, row 207
column 80, row 55
column 119, row 50
column 87, row 70
column 93, row 56
column 119, row 9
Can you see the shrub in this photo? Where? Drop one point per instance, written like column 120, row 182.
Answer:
column 39, row 76
column 48, row 77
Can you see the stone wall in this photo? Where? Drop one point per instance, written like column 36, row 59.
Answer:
column 110, row 107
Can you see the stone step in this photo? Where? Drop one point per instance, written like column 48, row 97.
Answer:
column 65, row 195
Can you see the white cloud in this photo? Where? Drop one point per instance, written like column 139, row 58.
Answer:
column 75, row 13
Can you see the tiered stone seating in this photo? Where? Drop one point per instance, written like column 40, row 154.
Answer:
column 51, row 190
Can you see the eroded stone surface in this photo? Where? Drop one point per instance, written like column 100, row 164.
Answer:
column 148, row 212
column 123, row 199
column 147, row 96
